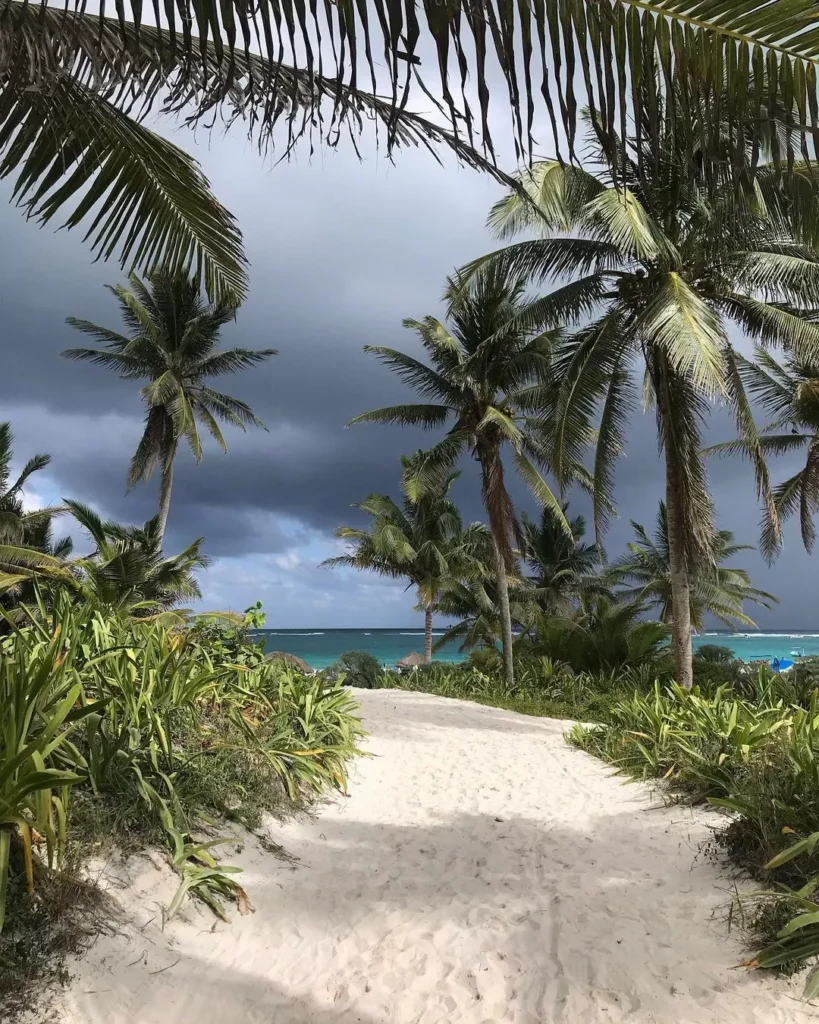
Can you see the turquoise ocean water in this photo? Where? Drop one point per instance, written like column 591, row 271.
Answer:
column 321, row 647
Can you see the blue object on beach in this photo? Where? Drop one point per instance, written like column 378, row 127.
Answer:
column 781, row 664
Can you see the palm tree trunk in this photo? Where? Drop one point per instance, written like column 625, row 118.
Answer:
column 499, row 512
column 165, row 489
column 428, row 634
column 681, row 646
column 505, row 616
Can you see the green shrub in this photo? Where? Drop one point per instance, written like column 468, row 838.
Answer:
column 716, row 653
column 603, row 637
column 486, row 659
column 359, row 668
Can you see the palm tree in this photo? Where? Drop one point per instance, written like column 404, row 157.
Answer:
column 790, row 393
column 659, row 268
column 127, row 572
column 485, row 373
column 422, row 540
column 715, row 589
column 172, row 343
column 562, row 569
column 26, row 542
column 707, row 51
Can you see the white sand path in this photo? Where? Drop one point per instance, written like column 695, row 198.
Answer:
column 480, row 871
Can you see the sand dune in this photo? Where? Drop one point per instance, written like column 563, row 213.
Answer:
column 480, row 871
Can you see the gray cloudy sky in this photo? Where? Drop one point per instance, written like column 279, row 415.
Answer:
column 340, row 251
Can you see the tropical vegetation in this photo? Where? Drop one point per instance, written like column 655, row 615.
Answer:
column 423, row 541
column 126, row 718
column 788, row 392
column 77, row 87
column 715, row 589
column 124, row 730
column 661, row 261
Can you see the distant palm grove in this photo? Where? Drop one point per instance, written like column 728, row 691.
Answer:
column 615, row 289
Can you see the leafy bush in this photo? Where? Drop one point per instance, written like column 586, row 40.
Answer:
column 484, row 660
column 603, row 637
column 716, row 653
column 542, row 687
column 358, row 668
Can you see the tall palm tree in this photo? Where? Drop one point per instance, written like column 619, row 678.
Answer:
column 172, row 343
column 659, row 269
column 790, row 393
column 715, row 589
column 422, row 540
column 200, row 61
column 485, row 374
column 127, row 572
column 562, row 568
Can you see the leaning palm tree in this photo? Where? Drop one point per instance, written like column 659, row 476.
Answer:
column 126, row 571
column 422, row 540
column 644, row 573
column 172, row 343
column 562, row 569
column 484, row 374
column 660, row 267
column 789, row 392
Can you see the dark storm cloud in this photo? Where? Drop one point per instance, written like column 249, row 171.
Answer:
column 340, row 253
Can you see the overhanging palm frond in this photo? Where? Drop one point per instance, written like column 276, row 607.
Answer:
column 605, row 49
column 74, row 88
column 144, row 200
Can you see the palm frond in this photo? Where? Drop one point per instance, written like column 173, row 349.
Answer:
column 686, row 328
column 145, row 200
column 554, row 194
column 426, row 416
column 607, row 49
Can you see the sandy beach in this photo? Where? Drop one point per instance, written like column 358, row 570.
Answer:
column 480, row 870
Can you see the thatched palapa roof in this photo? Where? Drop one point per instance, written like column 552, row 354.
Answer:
column 411, row 661
column 291, row 661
